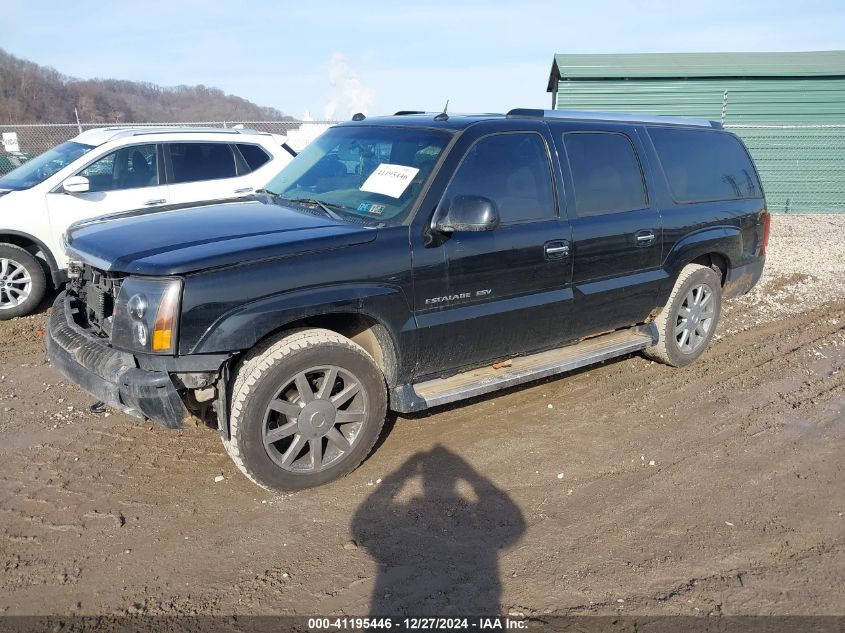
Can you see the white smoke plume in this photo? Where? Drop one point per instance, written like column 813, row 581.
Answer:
column 348, row 93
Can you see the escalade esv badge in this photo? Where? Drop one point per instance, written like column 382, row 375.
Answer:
column 457, row 297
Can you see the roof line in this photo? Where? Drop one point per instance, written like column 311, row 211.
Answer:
column 770, row 65
column 583, row 115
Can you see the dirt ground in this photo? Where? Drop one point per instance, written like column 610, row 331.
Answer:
column 626, row 488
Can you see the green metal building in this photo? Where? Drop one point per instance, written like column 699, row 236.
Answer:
column 789, row 108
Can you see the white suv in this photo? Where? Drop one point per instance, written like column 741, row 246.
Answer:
column 115, row 169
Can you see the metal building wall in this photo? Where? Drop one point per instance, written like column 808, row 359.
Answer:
column 775, row 101
column 794, row 127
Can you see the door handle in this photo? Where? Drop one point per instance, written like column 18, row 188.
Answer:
column 243, row 190
column 150, row 203
column 645, row 238
column 556, row 249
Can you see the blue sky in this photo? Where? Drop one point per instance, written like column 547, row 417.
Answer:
column 334, row 58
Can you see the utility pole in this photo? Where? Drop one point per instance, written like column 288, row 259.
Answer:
column 78, row 124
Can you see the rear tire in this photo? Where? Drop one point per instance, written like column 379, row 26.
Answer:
column 22, row 282
column 305, row 409
column 688, row 321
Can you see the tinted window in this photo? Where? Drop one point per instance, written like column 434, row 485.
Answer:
column 201, row 161
column 127, row 168
column 606, row 174
column 513, row 171
column 702, row 165
column 254, row 155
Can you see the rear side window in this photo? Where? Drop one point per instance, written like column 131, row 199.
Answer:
column 513, row 171
column 254, row 155
column 606, row 174
column 705, row 166
column 201, row 161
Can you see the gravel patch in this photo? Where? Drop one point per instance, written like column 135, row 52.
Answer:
column 805, row 269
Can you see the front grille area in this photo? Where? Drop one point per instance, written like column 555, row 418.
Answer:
column 93, row 354
column 94, row 293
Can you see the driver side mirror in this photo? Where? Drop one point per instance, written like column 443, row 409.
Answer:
column 466, row 214
column 76, row 184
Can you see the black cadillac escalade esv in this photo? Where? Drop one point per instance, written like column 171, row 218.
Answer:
column 393, row 265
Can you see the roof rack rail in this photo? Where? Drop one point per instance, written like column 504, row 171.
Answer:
column 535, row 113
column 165, row 129
column 407, row 112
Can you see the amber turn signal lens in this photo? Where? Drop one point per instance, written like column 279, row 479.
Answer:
column 165, row 323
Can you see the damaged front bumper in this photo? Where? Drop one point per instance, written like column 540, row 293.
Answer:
column 111, row 375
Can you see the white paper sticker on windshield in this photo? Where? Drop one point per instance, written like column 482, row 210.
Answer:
column 390, row 180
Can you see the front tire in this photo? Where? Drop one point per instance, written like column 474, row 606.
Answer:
column 688, row 321
column 305, row 409
column 22, row 282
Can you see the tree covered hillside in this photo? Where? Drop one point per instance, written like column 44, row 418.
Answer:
column 30, row 93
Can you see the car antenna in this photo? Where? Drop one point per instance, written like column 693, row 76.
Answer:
column 443, row 116
column 358, row 116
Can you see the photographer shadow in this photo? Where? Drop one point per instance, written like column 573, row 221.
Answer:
column 436, row 527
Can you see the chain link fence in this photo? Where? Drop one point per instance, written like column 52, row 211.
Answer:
column 33, row 139
column 802, row 166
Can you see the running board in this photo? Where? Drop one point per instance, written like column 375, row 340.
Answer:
column 477, row 382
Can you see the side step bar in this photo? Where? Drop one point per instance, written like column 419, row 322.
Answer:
column 476, row 382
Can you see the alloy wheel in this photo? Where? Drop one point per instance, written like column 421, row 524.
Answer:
column 695, row 318
column 15, row 284
column 315, row 419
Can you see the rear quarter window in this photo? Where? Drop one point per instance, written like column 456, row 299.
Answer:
column 254, row 155
column 702, row 165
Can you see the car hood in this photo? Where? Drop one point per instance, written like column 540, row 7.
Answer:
column 183, row 240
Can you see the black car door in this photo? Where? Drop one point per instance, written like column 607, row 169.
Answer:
column 616, row 225
column 481, row 296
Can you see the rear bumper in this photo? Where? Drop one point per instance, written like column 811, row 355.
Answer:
column 741, row 279
column 109, row 374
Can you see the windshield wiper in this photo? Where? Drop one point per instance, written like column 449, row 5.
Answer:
column 323, row 205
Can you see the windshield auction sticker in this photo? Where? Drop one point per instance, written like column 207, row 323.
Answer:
column 390, row 180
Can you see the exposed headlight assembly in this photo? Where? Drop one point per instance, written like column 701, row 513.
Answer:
column 146, row 315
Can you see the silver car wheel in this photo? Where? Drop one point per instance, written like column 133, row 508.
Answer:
column 15, row 284
column 315, row 419
column 695, row 318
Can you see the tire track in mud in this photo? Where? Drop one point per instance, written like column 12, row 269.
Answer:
column 733, row 360
column 744, row 379
column 606, row 535
column 709, row 589
column 739, row 365
column 722, row 380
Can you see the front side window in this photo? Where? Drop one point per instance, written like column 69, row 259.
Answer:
column 362, row 173
column 127, row 168
column 41, row 167
column 193, row 162
column 513, row 171
column 704, row 165
column 606, row 174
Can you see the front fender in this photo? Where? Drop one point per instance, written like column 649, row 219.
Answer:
column 55, row 269
column 242, row 327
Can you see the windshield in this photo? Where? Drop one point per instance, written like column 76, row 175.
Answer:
column 364, row 173
column 42, row 167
